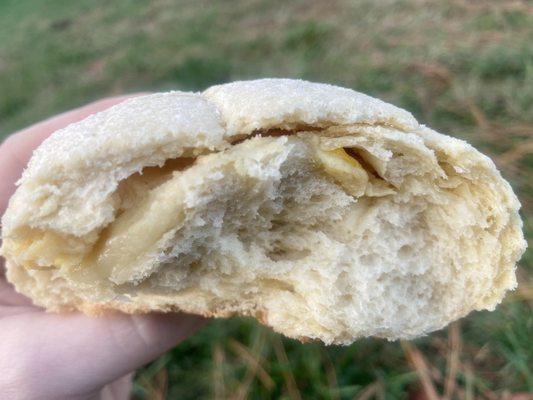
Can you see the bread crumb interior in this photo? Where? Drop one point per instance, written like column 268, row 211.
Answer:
column 328, row 220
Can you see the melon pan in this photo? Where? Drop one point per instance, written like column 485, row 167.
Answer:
column 322, row 212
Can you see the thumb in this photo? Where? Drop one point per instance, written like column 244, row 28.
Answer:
column 71, row 355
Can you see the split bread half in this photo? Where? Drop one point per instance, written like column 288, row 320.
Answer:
column 322, row 212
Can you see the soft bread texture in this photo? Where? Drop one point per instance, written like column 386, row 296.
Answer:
column 322, row 212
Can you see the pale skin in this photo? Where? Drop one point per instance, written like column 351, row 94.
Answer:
column 71, row 356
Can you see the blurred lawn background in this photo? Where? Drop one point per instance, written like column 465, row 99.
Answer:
column 463, row 67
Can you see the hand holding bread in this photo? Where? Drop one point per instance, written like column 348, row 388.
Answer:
column 70, row 355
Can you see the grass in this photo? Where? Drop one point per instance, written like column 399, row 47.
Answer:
column 464, row 68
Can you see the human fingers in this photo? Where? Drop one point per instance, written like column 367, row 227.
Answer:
column 64, row 356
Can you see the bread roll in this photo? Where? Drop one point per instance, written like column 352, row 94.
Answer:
column 322, row 212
